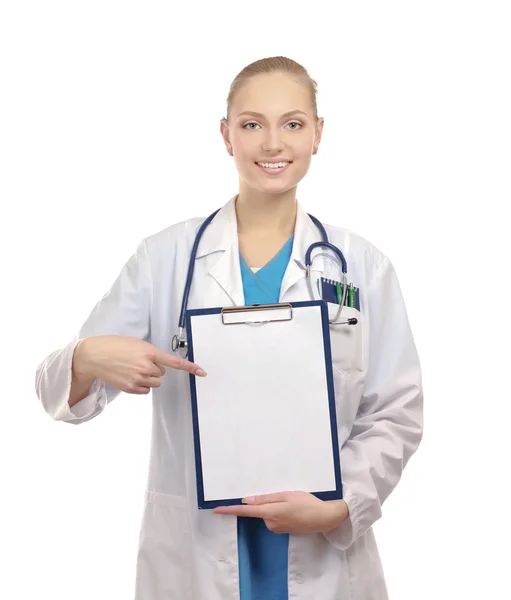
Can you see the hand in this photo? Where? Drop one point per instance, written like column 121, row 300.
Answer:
column 127, row 363
column 291, row 512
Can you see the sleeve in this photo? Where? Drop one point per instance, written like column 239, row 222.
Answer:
column 389, row 422
column 123, row 310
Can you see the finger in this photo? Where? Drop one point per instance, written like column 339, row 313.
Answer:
column 267, row 498
column 154, row 371
column 175, row 362
column 151, row 382
column 243, row 511
column 139, row 389
column 143, row 385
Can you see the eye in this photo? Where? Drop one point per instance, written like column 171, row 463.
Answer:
column 295, row 123
column 251, row 123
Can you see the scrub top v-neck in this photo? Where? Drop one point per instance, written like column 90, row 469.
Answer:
column 263, row 285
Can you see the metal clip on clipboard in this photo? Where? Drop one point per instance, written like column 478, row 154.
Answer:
column 256, row 314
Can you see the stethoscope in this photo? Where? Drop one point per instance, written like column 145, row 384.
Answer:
column 179, row 340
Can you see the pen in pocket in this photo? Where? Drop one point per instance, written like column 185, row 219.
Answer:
column 339, row 292
column 351, row 296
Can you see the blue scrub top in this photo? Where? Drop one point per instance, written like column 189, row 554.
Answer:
column 262, row 554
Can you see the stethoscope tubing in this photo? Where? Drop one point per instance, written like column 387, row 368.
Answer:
column 308, row 262
column 191, row 268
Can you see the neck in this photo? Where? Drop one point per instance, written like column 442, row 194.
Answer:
column 264, row 214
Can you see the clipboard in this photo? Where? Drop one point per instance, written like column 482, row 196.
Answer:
column 264, row 419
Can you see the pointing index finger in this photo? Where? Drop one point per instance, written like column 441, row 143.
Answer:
column 175, row 362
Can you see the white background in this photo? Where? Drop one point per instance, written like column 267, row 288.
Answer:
column 109, row 132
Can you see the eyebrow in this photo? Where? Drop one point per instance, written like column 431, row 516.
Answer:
column 261, row 116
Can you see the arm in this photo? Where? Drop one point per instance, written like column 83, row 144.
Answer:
column 388, row 426
column 80, row 381
column 65, row 393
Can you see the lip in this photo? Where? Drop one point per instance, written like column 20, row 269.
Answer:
column 275, row 171
column 274, row 160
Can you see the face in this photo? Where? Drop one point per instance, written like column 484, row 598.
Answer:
column 272, row 121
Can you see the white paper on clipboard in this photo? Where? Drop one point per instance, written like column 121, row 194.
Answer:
column 264, row 417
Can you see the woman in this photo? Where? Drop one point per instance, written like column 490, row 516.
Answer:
column 289, row 544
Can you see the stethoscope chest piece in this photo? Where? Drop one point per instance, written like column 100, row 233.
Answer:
column 178, row 343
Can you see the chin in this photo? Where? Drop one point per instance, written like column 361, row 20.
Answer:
column 275, row 188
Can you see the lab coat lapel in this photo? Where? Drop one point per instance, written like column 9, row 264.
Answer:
column 226, row 271
column 306, row 234
column 221, row 238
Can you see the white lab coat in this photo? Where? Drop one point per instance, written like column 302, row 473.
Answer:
column 185, row 553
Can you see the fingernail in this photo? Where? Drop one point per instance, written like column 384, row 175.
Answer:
column 249, row 500
column 200, row 373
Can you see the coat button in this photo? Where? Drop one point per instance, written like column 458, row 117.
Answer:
column 299, row 578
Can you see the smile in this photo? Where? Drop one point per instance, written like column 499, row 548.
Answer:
column 273, row 168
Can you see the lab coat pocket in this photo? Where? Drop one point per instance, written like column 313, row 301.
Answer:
column 164, row 556
column 346, row 341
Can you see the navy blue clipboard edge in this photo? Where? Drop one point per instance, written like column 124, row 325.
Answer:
column 327, row 495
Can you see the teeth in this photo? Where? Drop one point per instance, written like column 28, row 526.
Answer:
column 273, row 165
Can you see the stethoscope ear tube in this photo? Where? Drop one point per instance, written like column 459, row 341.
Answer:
column 350, row 321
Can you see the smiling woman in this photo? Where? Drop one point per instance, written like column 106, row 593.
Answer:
column 253, row 251
column 272, row 140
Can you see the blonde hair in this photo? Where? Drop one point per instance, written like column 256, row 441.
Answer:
column 274, row 64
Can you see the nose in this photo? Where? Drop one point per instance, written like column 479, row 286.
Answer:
column 273, row 142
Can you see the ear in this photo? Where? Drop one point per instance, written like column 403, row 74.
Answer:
column 318, row 134
column 224, row 130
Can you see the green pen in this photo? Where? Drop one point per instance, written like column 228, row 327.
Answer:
column 339, row 293
column 351, row 296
